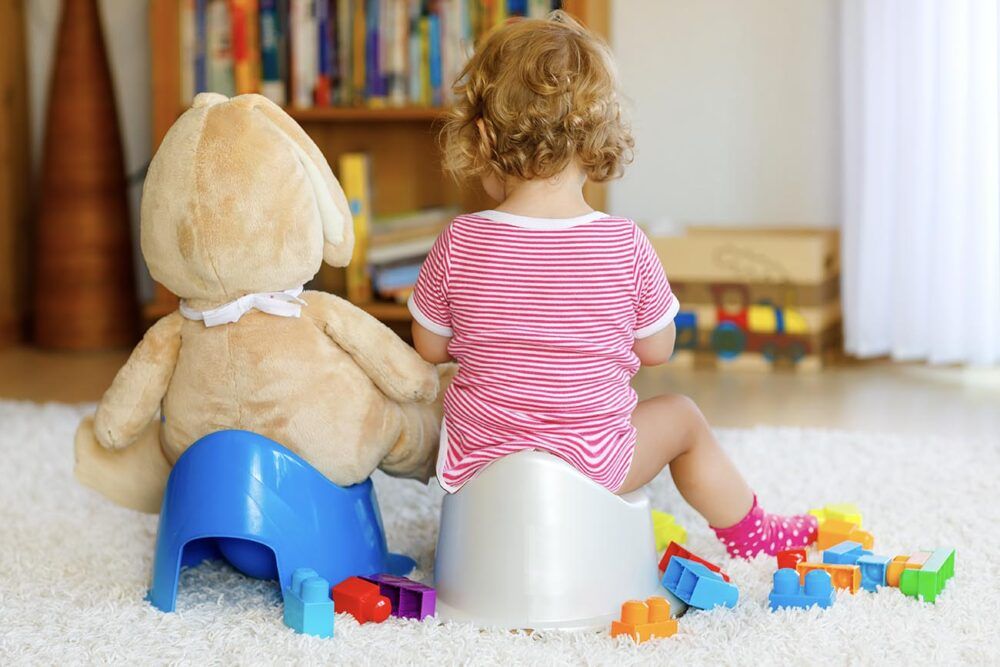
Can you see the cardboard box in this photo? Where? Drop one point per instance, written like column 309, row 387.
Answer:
column 756, row 298
column 769, row 255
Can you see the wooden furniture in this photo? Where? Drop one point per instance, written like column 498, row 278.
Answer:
column 84, row 291
column 14, row 172
column 402, row 143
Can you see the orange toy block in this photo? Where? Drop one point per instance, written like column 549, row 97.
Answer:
column 647, row 620
column 847, row 577
column 835, row 531
column 899, row 563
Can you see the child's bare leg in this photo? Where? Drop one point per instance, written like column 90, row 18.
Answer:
column 670, row 430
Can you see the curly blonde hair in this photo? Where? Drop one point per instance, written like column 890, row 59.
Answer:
column 546, row 92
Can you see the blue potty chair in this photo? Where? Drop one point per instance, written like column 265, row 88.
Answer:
column 243, row 498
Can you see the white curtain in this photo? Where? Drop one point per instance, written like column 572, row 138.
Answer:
column 921, row 208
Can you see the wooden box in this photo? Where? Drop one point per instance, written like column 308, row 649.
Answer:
column 757, row 298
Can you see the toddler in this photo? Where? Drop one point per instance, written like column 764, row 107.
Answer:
column 550, row 307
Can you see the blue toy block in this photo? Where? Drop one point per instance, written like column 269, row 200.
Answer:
column 697, row 585
column 845, row 553
column 818, row 590
column 308, row 607
column 873, row 568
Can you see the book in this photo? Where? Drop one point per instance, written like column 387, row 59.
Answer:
column 219, row 48
column 200, row 54
column 355, row 178
column 418, row 247
column 304, row 54
column 246, row 66
column 187, row 20
column 386, row 279
column 271, row 52
column 324, row 44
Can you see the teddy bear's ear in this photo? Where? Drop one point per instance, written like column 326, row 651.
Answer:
column 331, row 203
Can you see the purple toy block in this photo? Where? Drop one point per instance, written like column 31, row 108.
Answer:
column 409, row 598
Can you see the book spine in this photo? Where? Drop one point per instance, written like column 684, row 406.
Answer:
column 434, row 39
column 345, row 47
column 517, row 7
column 239, row 20
column 188, row 50
column 358, row 53
column 413, row 53
column 355, row 178
column 324, row 64
column 426, row 95
column 304, row 52
column 272, row 85
column 200, row 46
column 220, row 51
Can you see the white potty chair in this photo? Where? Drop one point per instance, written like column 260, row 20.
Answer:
column 533, row 543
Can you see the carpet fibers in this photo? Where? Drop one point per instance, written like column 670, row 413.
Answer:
column 74, row 569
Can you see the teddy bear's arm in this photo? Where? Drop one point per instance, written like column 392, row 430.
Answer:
column 395, row 367
column 134, row 396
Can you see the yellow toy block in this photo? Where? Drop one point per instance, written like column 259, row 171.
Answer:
column 841, row 512
column 667, row 530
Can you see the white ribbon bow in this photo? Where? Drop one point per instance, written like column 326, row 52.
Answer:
column 282, row 304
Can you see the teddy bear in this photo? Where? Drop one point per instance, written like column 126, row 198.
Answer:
column 239, row 210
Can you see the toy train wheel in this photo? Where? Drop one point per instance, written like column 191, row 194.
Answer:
column 795, row 351
column 769, row 350
column 728, row 340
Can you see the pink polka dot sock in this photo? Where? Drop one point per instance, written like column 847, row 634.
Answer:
column 759, row 531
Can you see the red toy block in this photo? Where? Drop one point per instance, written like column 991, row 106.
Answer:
column 361, row 599
column 789, row 558
column 674, row 549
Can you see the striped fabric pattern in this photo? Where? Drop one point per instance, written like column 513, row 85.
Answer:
column 542, row 315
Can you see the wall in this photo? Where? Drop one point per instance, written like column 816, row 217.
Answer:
column 735, row 108
column 126, row 36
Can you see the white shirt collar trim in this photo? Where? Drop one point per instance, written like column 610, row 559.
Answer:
column 540, row 223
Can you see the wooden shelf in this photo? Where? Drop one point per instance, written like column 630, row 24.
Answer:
column 387, row 311
column 366, row 114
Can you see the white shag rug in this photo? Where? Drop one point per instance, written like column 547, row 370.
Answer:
column 74, row 568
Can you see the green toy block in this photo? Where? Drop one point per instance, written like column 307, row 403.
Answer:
column 667, row 530
column 925, row 583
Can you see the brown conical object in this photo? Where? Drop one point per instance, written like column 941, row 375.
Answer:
column 84, row 292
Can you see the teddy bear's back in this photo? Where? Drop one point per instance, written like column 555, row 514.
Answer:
column 285, row 379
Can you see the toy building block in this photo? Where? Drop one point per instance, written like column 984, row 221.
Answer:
column 873, row 570
column 697, row 585
column 787, row 592
column 667, row 530
column 899, row 564
column 847, row 577
column 408, row 598
column 845, row 553
column 928, row 581
column 789, row 558
column 834, row 531
column 645, row 620
column 308, row 607
column 361, row 599
column 841, row 512
column 674, row 549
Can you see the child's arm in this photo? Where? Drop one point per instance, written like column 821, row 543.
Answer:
column 431, row 346
column 656, row 349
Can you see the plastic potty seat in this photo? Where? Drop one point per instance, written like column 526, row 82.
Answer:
column 246, row 499
column 531, row 542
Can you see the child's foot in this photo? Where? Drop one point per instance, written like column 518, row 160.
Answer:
column 759, row 531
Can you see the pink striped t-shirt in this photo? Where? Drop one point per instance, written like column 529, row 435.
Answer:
column 542, row 314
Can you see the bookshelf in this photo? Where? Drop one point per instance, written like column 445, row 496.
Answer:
column 402, row 142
